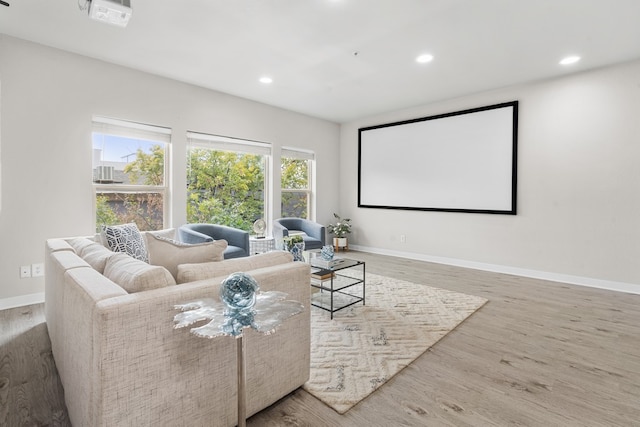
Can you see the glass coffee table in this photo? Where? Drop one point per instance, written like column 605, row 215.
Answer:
column 344, row 286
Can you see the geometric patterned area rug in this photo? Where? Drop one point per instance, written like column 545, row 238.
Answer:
column 364, row 346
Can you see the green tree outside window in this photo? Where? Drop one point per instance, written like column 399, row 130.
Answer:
column 225, row 188
column 295, row 176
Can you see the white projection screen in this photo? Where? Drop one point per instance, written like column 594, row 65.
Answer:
column 464, row 161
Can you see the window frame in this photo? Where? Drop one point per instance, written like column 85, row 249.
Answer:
column 140, row 131
column 309, row 156
column 215, row 142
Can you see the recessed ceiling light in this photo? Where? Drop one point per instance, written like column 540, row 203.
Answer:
column 569, row 60
column 424, row 58
column 266, row 80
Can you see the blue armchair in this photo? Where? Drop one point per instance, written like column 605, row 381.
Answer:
column 238, row 240
column 314, row 233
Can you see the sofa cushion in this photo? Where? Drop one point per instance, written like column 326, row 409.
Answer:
column 126, row 238
column 96, row 256
column 170, row 253
column 79, row 243
column 192, row 272
column 134, row 275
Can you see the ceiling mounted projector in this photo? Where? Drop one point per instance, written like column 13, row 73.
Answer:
column 114, row 12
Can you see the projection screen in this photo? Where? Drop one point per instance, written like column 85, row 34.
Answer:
column 465, row 161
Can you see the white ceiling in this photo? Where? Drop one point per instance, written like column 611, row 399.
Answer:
column 309, row 47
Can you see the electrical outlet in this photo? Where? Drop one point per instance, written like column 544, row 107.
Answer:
column 37, row 270
column 403, row 238
column 25, row 271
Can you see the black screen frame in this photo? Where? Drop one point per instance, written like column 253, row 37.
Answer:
column 506, row 210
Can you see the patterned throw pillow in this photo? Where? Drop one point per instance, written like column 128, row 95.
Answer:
column 126, row 238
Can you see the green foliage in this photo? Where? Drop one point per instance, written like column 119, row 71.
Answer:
column 289, row 241
column 294, row 176
column 145, row 209
column 293, row 239
column 147, row 169
column 104, row 214
column 225, row 188
column 341, row 228
column 294, row 204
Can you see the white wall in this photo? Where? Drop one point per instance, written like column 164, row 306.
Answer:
column 48, row 99
column 579, row 173
column 578, row 186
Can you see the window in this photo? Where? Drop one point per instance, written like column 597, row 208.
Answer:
column 130, row 173
column 296, row 183
column 226, row 181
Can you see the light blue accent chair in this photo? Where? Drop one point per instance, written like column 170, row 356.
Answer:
column 237, row 239
column 312, row 233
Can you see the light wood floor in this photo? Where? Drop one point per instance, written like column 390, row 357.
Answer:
column 538, row 354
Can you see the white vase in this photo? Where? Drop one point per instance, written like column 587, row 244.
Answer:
column 340, row 242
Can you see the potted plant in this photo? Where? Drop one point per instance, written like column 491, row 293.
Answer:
column 340, row 229
column 295, row 245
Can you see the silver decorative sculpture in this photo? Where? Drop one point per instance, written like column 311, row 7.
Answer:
column 327, row 252
column 241, row 306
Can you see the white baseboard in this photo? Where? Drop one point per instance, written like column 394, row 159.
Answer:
column 21, row 300
column 544, row 275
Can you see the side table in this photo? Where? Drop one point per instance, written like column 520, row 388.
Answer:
column 241, row 306
column 259, row 245
column 339, row 290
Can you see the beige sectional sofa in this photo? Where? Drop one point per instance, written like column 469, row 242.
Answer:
column 121, row 361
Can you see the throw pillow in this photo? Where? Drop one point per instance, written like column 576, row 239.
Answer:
column 169, row 233
column 134, row 275
column 170, row 253
column 207, row 270
column 126, row 238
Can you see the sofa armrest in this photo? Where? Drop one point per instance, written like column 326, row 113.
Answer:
column 84, row 287
column 56, row 265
